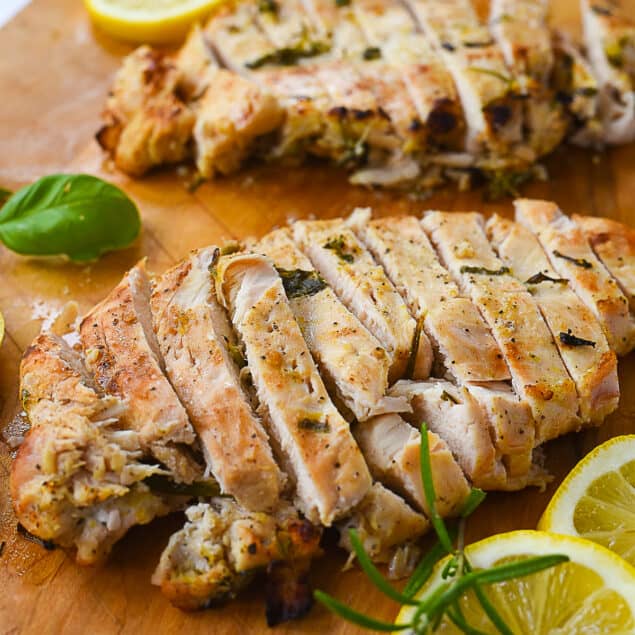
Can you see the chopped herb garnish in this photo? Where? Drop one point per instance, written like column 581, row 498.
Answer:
column 484, row 271
column 569, row 339
column 163, row 485
column 543, row 277
column 298, row 283
column 446, row 396
column 49, row 545
column 338, row 245
column 579, row 262
column 315, row 425
column 414, row 349
column 289, row 55
column 479, row 44
column 372, row 53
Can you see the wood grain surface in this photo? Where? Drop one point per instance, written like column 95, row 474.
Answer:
column 55, row 71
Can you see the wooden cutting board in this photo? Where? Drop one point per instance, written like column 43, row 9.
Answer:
column 55, row 71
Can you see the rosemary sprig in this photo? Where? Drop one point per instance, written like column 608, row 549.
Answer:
column 458, row 574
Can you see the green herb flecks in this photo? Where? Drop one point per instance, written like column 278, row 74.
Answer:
column 578, row 262
column 446, row 396
column 457, row 574
column 298, row 283
column 315, row 425
column 229, row 249
column 372, row 53
column 342, row 3
column 543, row 277
column 268, row 6
column 236, row 353
column 484, row 271
column 338, row 245
column 569, row 339
column 163, row 485
column 414, row 349
column 74, row 215
column 505, row 183
column 290, row 55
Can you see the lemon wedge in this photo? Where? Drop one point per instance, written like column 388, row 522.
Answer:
column 593, row 593
column 597, row 500
column 148, row 21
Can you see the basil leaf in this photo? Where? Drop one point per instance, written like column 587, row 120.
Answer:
column 5, row 195
column 76, row 215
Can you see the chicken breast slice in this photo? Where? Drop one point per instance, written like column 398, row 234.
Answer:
column 392, row 448
column 214, row 556
column 194, row 60
column 614, row 244
column 385, row 524
column 122, row 352
column 310, row 435
column 147, row 122
column 366, row 291
column 195, row 336
column 572, row 258
column 452, row 414
column 538, row 374
column 351, row 361
column 227, row 129
column 391, row 30
column 77, row 479
column 493, row 116
column 609, row 38
column 578, row 335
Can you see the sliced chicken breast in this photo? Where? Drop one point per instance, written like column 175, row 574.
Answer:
column 77, row 479
column 578, row 335
column 311, row 437
column 194, row 337
column 289, row 26
column 366, row 291
column 392, row 448
column 538, row 374
column 609, row 37
column 451, row 413
column 222, row 545
column 195, row 60
column 614, row 245
column 351, row 361
column 483, row 81
column 122, row 351
column 384, row 523
column 572, row 258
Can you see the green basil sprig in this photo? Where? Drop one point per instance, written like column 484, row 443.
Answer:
column 74, row 215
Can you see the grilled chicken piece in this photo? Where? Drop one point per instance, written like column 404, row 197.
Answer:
column 228, row 129
column 195, row 60
column 614, row 244
column 147, row 123
column 366, row 291
column 571, row 257
column 351, row 361
column 578, row 335
column 222, row 545
column 122, row 352
column 195, row 339
column 77, row 479
column 384, row 522
column 450, row 412
column 483, row 81
column 464, row 346
column 538, row 374
column 311, row 436
column 520, row 28
column 392, row 448
column 609, row 36
column 289, row 27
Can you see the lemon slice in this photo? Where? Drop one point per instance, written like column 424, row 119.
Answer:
column 597, row 499
column 148, row 21
column 593, row 593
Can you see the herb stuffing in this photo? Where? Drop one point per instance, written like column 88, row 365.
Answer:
column 289, row 55
column 268, row 6
column 414, row 349
column 543, row 277
column 372, row 53
column 458, row 574
column 163, row 485
column 315, row 425
column 572, row 340
column 579, row 262
column 446, row 396
column 298, row 283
